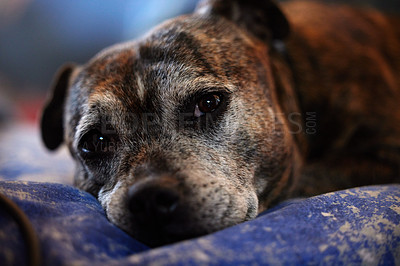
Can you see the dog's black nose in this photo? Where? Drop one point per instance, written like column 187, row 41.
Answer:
column 153, row 202
column 159, row 212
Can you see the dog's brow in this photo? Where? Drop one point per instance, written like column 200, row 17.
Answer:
column 202, row 84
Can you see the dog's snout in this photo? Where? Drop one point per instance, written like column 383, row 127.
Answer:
column 153, row 201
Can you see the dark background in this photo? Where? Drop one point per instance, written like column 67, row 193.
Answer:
column 38, row 36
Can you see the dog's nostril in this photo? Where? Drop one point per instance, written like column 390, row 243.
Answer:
column 166, row 201
column 153, row 201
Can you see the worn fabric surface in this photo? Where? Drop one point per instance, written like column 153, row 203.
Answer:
column 359, row 225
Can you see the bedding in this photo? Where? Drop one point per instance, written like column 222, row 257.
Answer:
column 354, row 226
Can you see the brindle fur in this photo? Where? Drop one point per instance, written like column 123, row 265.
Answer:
column 340, row 63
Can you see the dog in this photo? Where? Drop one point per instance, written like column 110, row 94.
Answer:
column 213, row 117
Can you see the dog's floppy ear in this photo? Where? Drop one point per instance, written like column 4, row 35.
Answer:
column 52, row 128
column 262, row 18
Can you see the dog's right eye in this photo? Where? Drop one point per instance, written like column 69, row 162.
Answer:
column 95, row 143
column 207, row 104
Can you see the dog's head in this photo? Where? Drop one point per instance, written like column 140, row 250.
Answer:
column 177, row 134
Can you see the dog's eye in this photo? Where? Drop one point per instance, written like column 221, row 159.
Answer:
column 207, row 104
column 94, row 142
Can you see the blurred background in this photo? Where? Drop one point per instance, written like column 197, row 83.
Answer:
column 38, row 36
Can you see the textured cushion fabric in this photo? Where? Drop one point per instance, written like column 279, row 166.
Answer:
column 70, row 223
column 354, row 226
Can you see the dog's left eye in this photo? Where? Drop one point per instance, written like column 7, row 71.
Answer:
column 207, row 104
column 94, row 142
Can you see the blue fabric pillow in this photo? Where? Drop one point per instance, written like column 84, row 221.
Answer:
column 355, row 226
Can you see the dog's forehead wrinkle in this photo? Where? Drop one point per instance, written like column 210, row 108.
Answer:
column 181, row 56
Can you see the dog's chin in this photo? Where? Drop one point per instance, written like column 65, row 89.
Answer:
column 158, row 230
column 155, row 237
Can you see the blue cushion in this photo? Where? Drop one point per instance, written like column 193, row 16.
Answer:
column 353, row 226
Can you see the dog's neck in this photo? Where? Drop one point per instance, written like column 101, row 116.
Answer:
column 288, row 96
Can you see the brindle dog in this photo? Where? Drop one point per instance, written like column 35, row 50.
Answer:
column 215, row 116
